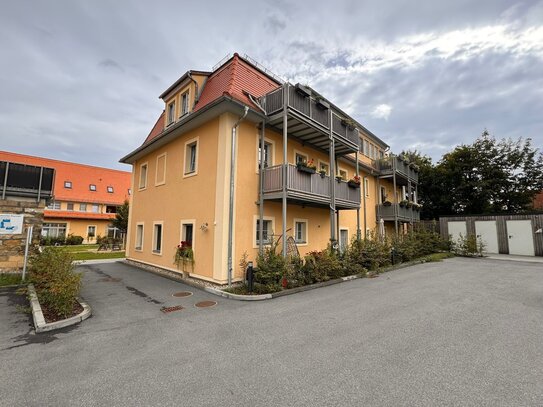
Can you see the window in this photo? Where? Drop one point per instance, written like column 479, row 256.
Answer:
column 70, row 206
column 160, row 175
column 53, row 205
column 381, row 154
column 366, row 147
column 91, row 231
column 157, row 238
column 300, row 231
column 383, row 195
column 266, row 231
column 343, row 174
column 92, row 187
column 367, row 187
column 187, row 233
column 300, row 158
column 184, row 103
column 268, row 155
column 343, row 240
column 110, row 190
column 139, row 236
column 53, row 230
column 171, row 113
column 323, row 167
column 68, row 184
column 143, row 176
column 83, row 207
column 191, row 157
column 95, row 208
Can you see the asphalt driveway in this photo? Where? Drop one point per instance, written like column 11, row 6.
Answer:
column 463, row 332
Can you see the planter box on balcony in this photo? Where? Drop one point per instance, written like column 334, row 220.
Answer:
column 353, row 184
column 303, row 168
column 302, row 90
column 323, row 104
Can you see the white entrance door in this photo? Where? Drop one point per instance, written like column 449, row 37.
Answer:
column 520, row 236
column 457, row 228
column 343, row 239
column 486, row 230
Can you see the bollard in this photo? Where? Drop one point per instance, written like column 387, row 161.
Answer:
column 250, row 276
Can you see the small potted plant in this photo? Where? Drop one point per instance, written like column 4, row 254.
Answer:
column 322, row 173
column 354, row 182
column 307, row 166
column 409, row 204
column 339, row 178
column 302, row 90
column 184, row 256
column 321, row 102
column 387, row 203
column 349, row 123
column 403, row 203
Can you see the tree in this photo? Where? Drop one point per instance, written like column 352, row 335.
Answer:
column 121, row 217
column 488, row 176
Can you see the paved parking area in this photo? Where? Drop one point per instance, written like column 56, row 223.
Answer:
column 463, row 332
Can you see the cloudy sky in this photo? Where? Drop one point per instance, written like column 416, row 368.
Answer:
column 80, row 80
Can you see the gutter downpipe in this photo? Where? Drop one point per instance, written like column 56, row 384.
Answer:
column 196, row 93
column 358, row 233
column 285, row 168
column 231, row 203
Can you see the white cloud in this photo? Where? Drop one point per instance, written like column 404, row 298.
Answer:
column 382, row 111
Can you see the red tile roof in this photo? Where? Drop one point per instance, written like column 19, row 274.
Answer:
column 235, row 77
column 48, row 213
column 81, row 176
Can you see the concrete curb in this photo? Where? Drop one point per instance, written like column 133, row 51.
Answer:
column 39, row 321
column 97, row 261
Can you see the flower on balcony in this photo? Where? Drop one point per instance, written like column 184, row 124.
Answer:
column 354, row 182
column 307, row 164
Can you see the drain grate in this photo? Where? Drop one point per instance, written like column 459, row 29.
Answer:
column 182, row 294
column 109, row 280
column 167, row 310
column 205, row 304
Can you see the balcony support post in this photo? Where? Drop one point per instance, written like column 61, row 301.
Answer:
column 261, row 199
column 285, row 168
column 5, row 181
column 358, row 234
column 396, row 207
column 332, row 168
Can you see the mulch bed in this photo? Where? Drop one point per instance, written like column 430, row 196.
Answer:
column 52, row 316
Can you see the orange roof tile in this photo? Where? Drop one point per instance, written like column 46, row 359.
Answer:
column 81, row 176
column 77, row 215
column 235, row 77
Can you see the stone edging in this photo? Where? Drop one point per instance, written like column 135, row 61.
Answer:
column 39, row 321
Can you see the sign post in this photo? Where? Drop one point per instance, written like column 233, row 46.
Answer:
column 28, row 242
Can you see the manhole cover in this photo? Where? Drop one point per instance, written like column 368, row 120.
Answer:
column 167, row 310
column 182, row 294
column 110, row 280
column 205, row 304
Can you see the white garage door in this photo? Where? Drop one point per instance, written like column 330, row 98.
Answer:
column 521, row 239
column 457, row 228
column 486, row 230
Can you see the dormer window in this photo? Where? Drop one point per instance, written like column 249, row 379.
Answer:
column 92, row 187
column 184, row 103
column 110, row 190
column 171, row 113
column 68, row 184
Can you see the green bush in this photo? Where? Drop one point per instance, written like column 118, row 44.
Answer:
column 52, row 241
column 74, row 240
column 469, row 246
column 52, row 274
column 369, row 254
column 271, row 266
column 322, row 266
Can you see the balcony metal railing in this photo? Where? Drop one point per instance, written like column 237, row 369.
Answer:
column 403, row 213
column 393, row 163
column 311, row 187
column 313, row 111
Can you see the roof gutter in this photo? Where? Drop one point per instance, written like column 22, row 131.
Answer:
column 231, row 203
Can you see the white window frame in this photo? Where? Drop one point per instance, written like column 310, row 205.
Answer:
column 158, row 252
column 68, row 184
column 68, row 206
column 141, row 178
column 54, row 205
column 110, row 189
column 340, row 169
column 188, row 143
column 301, row 153
column 320, row 162
column 82, row 207
column 367, row 187
column 93, row 187
column 157, row 182
column 255, row 219
column 140, row 248
column 339, row 238
column 301, row 242
column 95, row 230
column 170, row 117
column 97, row 208
column 182, row 111
column 272, row 158
column 184, row 222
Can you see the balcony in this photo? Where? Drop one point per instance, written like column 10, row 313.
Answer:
column 308, row 189
column 389, row 166
column 404, row 214
column 21, row 180
column 310, row 119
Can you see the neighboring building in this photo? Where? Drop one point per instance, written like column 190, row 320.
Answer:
column 85, row 199
column 538, row 201
column 24, row 192
column 182, row 173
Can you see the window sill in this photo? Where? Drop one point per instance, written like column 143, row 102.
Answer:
column 157, row 253
column 190, row 174
column 142, row 188
column 138, row 249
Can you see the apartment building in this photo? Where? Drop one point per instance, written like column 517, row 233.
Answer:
column 85, row 197
column 239, row 158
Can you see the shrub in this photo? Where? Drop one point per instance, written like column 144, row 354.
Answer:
column 370, row 253
column 52, row 241
column 271, row 266
column 469, row 246
column 52, row 274
column 322, row 266
column 74, row 240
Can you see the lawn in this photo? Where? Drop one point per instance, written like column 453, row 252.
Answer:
column 89, row 252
